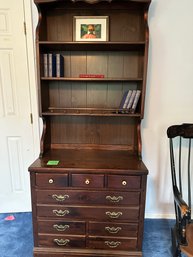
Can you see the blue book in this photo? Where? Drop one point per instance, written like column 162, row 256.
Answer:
column 59, row 65
column 122, row 104
column 51, row 65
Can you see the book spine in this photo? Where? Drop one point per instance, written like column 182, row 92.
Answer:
column 136, row 100
column 51, row 65
column 127, row 99
column 129, row 105
column 45, row 65
column 123, row 100
column 59, row 65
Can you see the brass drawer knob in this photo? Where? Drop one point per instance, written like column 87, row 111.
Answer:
column 87, row 181
column 114, row 199
column 112, row 244
column 51, row 181
column 60, row 198
column 113, row 230
column 61, row 242
column 61, row 227
column 124, row 183
column 114, row 215
column 60, row 213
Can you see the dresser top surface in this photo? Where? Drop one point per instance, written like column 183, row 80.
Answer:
column 92, row 160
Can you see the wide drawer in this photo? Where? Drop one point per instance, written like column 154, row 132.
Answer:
column 113, row 243
column 124, row 182
column 87, row 180
column 85, row 197
column 89, row 213
column 113, row 229
column 51, row 180
column 62, row 227
column 61, row 241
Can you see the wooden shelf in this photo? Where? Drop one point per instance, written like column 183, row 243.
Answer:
column 93, row 79
column 94, row 46
column 88, row 112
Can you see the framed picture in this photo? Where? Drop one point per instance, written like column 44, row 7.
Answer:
column 91, row 28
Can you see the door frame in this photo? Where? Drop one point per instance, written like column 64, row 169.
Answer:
column 32, row 75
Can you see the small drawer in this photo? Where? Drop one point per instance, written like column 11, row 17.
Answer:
column 60, row 241
column 61, row 227
column 88, row 180
column 51, row 180
column 113, row 229
column 124, row 182
column 113, row 243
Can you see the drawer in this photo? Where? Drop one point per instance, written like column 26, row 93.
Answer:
column 113, row 229
column 88, row 180
column 61, row 227
column 51, row 180
column 85, row 197
column 60, row 241
column 124, row 182
column 113, row 243
column 89, row 213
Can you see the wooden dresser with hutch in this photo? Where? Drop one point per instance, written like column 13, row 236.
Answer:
column 89, row 183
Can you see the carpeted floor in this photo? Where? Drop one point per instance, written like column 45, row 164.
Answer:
column 16, row 236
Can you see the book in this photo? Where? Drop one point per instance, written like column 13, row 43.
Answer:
column 131, row 99
column 136, row 100
column 129, row 93
column 123, row 100
column 59, row 65
column 51, row 65
column 45, row 65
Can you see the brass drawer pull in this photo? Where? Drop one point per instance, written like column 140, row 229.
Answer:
column 114, row 215
column 61, row 242
column 51, row 181
column 61, row 227
column 87, row 181
column 124, row 182
column 60, row 212
column 114, row 199
column 112, row 244
column 113, row 230
column 60, row 198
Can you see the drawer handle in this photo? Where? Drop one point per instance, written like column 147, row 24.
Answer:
column 114, row 199
column 114, row 215
column 60, row 198
column 113, row 230
column 124, row 182
column 87, row 181
column 112, row 244
column 61, row 242
column 60, row 212
column 51, row 181
column 61, row 227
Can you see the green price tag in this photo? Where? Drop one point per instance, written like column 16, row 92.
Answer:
column 52, row 162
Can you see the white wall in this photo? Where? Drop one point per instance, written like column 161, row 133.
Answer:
column 169, row 98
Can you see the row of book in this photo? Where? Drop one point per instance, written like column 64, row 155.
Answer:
column 129, row 101
column 53, row 65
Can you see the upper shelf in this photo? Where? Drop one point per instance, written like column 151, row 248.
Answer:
column 94, row 46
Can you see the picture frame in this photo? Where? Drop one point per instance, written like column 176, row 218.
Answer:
column 90, row 28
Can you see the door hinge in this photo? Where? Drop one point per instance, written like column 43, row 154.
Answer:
column 25, row 29
column 31, row 118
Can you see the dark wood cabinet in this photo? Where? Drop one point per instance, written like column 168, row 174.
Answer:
column 89, row 183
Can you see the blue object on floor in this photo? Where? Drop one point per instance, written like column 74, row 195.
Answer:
column 16, row 239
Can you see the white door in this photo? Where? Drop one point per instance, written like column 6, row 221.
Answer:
column 16, row 134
